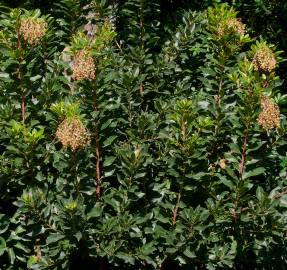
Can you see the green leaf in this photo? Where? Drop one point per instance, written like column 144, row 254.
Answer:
column 136, row 73
column 283, row 200
column 255, row 172
column 225, row 181
column 2, row 245
column 96, row 211
column 32, row 261
column 4, row 75
column 126, row 258
column 11, row 254
column 260, row 194
column 109, row 140
column 52, row 238
column 78, row 236
column 148, row 249
column 4, row 223
column 21, row 247
column 189, row 254
column 109, row 161
column 35, row 78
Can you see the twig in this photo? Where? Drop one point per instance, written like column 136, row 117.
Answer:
column 119, row 46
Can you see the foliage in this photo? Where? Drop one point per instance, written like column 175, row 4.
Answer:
column 130, row 142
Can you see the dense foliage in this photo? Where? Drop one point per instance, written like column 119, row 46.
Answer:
column 142, row 135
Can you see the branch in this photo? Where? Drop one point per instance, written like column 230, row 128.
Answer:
column 279, row 195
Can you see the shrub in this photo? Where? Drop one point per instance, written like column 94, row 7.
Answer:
column 121, row 149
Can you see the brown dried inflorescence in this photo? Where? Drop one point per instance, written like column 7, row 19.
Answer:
column 269, row 117
column 72, row 133
column 232, row 24
column 83, row 66
column 264, row 60
column 32, row 30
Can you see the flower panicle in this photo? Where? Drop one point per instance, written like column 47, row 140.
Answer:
column 83, row 66
column 269, row 117
column 32, row 30
column 231, row 25
column 72, row 133
column 264, row 60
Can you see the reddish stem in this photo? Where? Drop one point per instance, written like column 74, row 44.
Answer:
column 98, row 171
column 98, row 156
column 241, row 171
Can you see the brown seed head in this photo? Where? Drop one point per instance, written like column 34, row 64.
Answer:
column 232, row 25
column 32, row 30
column 264, row 60
column 269, row 117
column 83, row 66
column 72, row 133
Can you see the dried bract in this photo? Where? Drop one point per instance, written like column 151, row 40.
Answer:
column 32, row 30
column 264, row 60
column 269, row 117
column 72, row 133
column 83, row 66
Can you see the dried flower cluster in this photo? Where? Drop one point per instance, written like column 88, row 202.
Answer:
column 269, row 117
column 72, row 133
column 83, row 66
column 231, row 24
column 32, row 30
column 264, row 60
